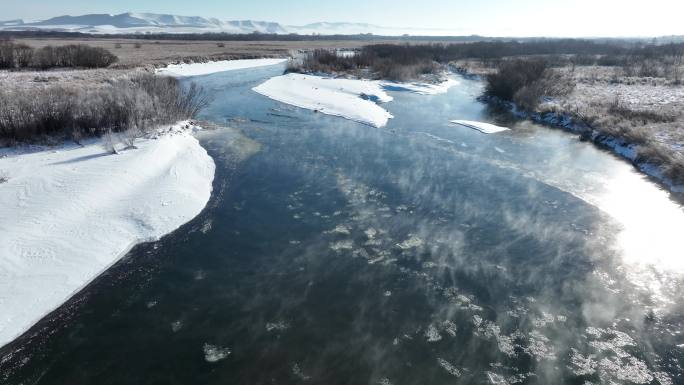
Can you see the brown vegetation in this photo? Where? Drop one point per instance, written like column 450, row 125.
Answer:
column 13, row 55
column 526, row 82
column 139, row 102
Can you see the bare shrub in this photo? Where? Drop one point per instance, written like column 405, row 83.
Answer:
column 109, row 143
column 75, row 55
column 220, row 45
column 129, row 137
column 526, row 81
column 139, row 102
column 14, row 55
column 117, row 45
column 137, row 45
column 390, row 61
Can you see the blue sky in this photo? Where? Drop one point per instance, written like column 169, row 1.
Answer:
column 487, row 17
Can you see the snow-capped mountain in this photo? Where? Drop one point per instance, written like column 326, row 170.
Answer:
column 160, row 23
column 144, row 22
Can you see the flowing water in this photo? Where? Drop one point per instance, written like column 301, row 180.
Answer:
column 421, row 253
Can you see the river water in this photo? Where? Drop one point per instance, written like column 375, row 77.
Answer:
column 420, row 253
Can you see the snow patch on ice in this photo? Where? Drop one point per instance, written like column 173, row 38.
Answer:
column 353, row 99
column 421, row 88
column 485, row 128
column 347, row 98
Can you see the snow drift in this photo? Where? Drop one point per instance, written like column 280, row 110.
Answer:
column 198, row 69
column 352, row 99
column 348, row 98
column 484, row 128
column 70, row 213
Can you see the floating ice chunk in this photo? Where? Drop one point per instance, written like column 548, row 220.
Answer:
column 297, row 371
column 277, row 326
column 340, row 229
column 342, row 245
column 213, row 353
column 411, row 242
column 496, row 379
column 485, row 128
column 450, row 328
column 176, row 326
column 451, row 369
column 371, row 233
column 432, row 334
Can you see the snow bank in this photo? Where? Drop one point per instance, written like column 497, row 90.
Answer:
column 485, row 128
column 69, row 214
column 349, row 98
column 198, row 69
column 421, row 88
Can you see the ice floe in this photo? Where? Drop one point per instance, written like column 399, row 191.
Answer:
column 354, row 99
column 349, row 98
column 213, row 353
column 485, row 128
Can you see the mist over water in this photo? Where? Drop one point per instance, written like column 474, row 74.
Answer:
column 423, row 253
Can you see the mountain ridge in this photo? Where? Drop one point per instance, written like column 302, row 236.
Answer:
column 141, row 22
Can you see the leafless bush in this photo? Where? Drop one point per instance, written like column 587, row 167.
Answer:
column 129, row 137
column 526, row 81
column 143, row 101
column 109, row 143
column 76, row 55
column 4, row 177
column 394, row 62
column 220, row 45
column 137, row 45
column 14, row 55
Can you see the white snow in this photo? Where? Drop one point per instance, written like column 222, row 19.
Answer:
column 69, row 213
column 349, row 98
column 353, row 99
column 198, row 69
column 421, row 88
column 485, row 128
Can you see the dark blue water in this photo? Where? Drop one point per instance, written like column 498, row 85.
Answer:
column 337, row 253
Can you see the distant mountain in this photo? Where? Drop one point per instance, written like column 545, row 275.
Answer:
column 327, row 28
column 10, row 23
column 144, row 22
column 161, row 23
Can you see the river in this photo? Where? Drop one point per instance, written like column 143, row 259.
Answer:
column 421, row 253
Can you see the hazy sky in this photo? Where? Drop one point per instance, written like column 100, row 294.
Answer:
column 486, row 17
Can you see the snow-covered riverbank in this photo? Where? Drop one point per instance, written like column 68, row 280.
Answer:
column 199, row 69
column 68, row 213
column 618, row 146
column 354, row 99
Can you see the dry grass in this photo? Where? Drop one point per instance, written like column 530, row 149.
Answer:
column 643, row 110
column 125, row 105
column 157, row 53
